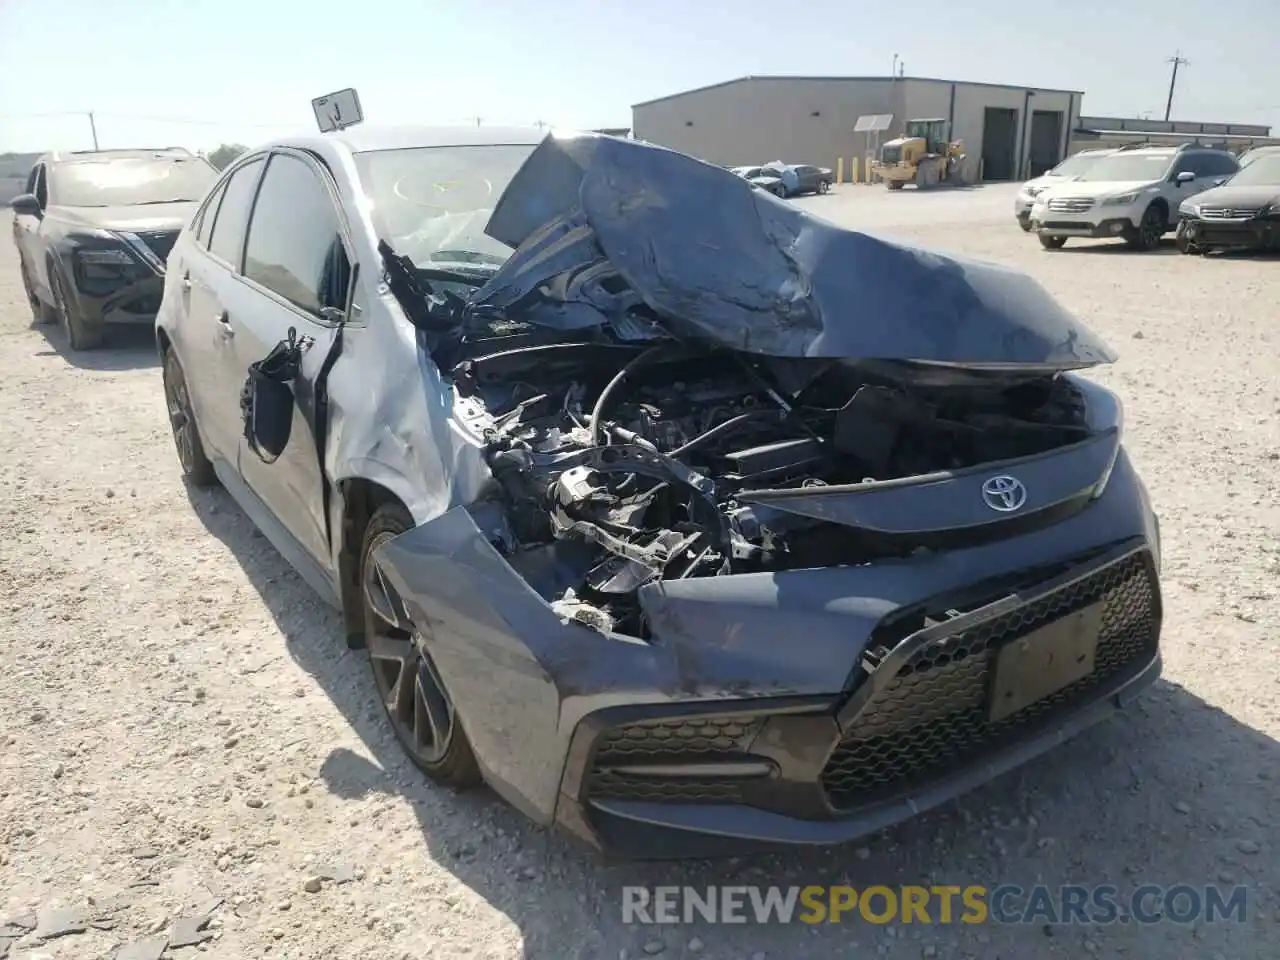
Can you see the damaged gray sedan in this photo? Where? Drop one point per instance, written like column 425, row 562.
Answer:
column 683, row 518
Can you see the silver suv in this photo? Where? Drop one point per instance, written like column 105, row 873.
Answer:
column 1133, row 194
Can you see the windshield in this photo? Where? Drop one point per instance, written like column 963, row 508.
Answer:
column 1145, row 167
column 1258, row 154
column 431, row 204
column 124, row 182
column 1074, row 166
column 1265, row 170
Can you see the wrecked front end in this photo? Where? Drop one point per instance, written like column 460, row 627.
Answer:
column 792, row 532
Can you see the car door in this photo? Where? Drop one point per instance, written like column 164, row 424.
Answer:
column 298, row 270
column 808, row 178
column 26, row 234
column 205, row 337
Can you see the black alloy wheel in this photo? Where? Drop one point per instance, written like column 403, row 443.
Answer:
column 1150, row 229
column 186, row 435
column 412, row 692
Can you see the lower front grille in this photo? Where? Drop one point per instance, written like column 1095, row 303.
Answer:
column 931, row 719
column 670, row 742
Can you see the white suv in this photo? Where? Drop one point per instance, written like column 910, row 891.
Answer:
column 1133, row 194
column 1069, row 169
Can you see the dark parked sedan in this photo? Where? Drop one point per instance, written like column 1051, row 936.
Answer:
column 93, row 231
column 685, row 519
column 1242, row 214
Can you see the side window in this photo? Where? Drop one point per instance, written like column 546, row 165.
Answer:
column 204, row 226
column 31, row 180
column 1198, row 163
column 227, row 238
column 295, row 247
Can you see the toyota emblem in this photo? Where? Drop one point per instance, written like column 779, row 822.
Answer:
column 1004, row 493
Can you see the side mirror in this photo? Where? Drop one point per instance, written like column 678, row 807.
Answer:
column 1186, row 176
column 26, row 205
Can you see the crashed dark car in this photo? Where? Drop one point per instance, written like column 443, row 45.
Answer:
column 1242, row 214
column 686, row 520
column 93, row 230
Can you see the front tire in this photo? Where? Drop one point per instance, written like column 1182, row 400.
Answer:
column 1052, row 243
column 824, row 186
column 1184, row 243
column 894, row 184
column 41, row 312
column 1150, row 229
column 182, row 421
column 412, row 692
column 81, row 333
column 1025, row 225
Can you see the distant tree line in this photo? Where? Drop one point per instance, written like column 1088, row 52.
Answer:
column 225, row 153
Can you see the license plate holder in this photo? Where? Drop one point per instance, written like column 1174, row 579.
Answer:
column 1044, row 661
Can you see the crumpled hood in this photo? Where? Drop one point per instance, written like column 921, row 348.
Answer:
column 601, row 225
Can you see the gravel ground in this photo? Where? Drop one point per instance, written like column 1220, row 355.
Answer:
column 183, row 730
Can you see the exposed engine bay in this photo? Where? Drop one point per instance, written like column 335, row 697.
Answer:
column 671, row 361
column 629, row 463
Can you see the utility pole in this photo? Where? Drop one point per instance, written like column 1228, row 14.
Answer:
column 93, row 127
column 1176, row 60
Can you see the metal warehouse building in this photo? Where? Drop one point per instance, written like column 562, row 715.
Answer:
column 1009, row 132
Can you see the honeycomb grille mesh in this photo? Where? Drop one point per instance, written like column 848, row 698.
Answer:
column 671, row 740
column 932, row 716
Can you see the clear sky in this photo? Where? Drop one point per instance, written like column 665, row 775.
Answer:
column 200, row 72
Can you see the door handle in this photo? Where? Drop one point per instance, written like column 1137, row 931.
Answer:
column 186, row 282
column 224, row 323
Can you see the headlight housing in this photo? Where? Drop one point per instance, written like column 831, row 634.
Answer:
column 1122, row 200
column 103, row 263
column 1188, row 209
column 1034, row 191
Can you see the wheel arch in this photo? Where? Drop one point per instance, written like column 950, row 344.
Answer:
column 359, row 498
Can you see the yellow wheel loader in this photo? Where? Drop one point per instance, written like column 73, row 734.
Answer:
column 924, row 156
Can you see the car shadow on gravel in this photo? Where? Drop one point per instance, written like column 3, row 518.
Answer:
column 1167, row 248
column 1171, row 791
column 126, row 348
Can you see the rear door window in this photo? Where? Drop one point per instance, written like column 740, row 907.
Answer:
column 295, row 240
column 227, row 239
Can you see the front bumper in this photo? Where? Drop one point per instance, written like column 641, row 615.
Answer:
column 1257, row 233
column 913, row 734
column 824, row 707
column 1049, row 223
column 133, row 303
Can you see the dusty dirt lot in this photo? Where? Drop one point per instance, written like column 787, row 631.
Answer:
column 181, row 727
